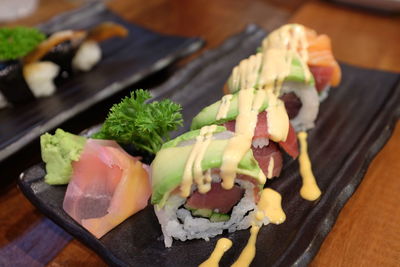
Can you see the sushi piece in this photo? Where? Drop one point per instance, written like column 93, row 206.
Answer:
column 306, row 68
column 192, row 197
column 272, row 132
column 32, row 66
column 39, row 77
column 13, row 86
column 107, row 186
column 76, row 49
column 89, row 52
column 15, row 43
column 59, row 48
column 322, row 64
column 298, row 84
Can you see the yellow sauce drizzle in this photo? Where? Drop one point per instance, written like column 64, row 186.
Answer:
column 239, row 144
column 224, row 107
column 270, row 68
column 309, row 189
column 249, row 251
column 223, row 245
column 278, row 119
column 270, row 206
column 193, row 164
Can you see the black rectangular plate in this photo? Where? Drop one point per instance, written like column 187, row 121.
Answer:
column 124, row 62
column 354, row 124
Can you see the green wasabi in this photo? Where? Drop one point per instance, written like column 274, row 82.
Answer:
column 17, row 42
column 58, row 152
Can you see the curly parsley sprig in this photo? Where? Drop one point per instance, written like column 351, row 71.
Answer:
column 145, row 125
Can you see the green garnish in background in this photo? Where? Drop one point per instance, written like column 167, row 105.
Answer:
column 18, row 41
column 145, row 125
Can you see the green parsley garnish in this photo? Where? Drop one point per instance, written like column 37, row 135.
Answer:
column 145, row 125
column 17, row 42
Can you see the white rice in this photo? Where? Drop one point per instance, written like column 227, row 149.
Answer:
column 178, row 223
column 39, row 76
column 310, row 104
column 260, row 142
column 324, row 93
column 87, row 56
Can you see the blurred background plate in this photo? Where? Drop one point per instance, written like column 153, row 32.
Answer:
column 125, row 61
column 353, row 125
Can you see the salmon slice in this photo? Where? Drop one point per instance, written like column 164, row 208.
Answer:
column 107, row 186
column 320, row 55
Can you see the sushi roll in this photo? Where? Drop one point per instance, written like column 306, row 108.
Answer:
column 272, row 132
column 305, row 65
column 193, row 198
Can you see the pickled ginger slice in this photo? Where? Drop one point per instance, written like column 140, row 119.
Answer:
column 107, row 186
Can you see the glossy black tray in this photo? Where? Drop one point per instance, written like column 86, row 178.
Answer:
column 354, row 123
column 124, row 62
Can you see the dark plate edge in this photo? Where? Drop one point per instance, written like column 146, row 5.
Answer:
column 325, row 226
column 188, row 47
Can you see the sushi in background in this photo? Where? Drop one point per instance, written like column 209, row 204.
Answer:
column 38, row 69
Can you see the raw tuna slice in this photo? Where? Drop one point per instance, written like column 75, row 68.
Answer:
column 290, row 145
column 269, row 155
column 322, row 76
column 217, row 198
column 261, row 132
column 107, row 186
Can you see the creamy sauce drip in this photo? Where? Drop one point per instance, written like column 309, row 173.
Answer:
column 240, row 143
column 270, row 68
column 268, row 206
column 309, row 190
column 249, row 251
column 277, row 118
column 224, row 107
column 223, row 245
column 193, row 169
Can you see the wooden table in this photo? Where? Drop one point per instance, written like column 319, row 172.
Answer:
column 367, row 231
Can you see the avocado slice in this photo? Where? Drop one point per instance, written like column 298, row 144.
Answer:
column 188, row 136
column 297, row 74
column 169, row 164
column 219, row 217
column 207, row 115
column 211, row 215
column 206, row 213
